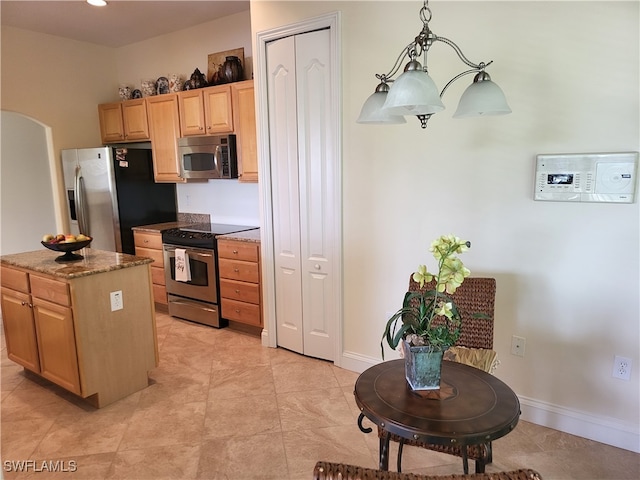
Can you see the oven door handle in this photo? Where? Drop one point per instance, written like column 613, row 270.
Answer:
column 191, row 253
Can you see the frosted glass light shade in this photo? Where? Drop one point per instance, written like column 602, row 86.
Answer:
column 482, row 98
column 413, row 93
column 372, row 111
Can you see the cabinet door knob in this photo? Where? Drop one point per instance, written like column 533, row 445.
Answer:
column 235, row 252
column 237, row 291
column 316, row 266
column 24, row 303
column 236, row 270
column 237, row 310
column 146, row 241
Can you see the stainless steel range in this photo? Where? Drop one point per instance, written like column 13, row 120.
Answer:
column 193, row 293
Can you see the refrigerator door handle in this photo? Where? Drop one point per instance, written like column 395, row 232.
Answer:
column 81, row 213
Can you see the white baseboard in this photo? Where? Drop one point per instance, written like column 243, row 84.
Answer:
column 601, row 429
column 356, row 362
column 264, row 338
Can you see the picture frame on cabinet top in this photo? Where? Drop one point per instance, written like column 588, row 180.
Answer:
column 215, row 62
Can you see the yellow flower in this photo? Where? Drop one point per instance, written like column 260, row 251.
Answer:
column 444, row 309
column 452, row 274
column 422, row 276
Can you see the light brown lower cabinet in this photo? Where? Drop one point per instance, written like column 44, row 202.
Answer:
column 20, row 328
column 57, row 344
column 240, row 289
column 149, row 244
column 65, row 331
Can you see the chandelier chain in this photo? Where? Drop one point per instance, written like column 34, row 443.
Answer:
column 424, row 11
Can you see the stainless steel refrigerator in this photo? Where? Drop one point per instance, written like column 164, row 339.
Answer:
column 109, row 190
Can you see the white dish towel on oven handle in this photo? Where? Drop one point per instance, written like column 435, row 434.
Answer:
column 183, row 272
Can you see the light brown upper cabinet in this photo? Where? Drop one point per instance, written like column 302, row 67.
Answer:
column 124, row 121
column 206, row 111
column 244, row 119
column 164, row 127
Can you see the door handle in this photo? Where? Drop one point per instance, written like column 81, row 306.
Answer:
column 81, row 211
column 190, row 253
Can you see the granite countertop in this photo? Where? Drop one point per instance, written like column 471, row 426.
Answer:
column 94, row 261
column 252, row 236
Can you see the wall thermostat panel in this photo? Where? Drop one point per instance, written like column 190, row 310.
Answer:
column 586, row 177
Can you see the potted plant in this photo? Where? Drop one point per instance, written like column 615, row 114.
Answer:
column 429, row 322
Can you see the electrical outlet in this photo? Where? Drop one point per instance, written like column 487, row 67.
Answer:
column 517, row 346
column 621, row 368
column 116, row 301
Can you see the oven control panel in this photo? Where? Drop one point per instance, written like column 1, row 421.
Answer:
column 586, row 177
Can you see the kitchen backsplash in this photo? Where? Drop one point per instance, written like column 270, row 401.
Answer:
column 224, row 201
column 194, row 217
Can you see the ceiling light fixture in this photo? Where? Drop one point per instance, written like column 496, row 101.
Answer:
column 415, row 93
column 97, row 3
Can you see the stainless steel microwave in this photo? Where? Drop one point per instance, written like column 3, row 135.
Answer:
column 208, row 157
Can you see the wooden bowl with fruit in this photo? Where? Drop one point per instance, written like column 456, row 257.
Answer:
column 66, row 243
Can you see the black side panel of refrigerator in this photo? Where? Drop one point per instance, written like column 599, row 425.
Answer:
column 141, row 201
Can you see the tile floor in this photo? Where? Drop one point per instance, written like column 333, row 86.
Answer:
column 265, row 414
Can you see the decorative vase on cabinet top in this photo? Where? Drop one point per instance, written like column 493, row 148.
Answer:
column 148, row 88
column 176, row 83
column 232, row 69
column 124, row 92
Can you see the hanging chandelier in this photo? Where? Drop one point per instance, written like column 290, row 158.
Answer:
column 415, row 93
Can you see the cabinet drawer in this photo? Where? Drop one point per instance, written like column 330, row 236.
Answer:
column 156, row 255
column 241, row 312
column 159, row 294
column 241, row 291
column 148, row 240
column 239, row 270
column 14, row 279
column 49, row 289
column 157, row 275
column 238, row 250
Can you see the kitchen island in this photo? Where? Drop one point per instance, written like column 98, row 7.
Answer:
column 86, row 325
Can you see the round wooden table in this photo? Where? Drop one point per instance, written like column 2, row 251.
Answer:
column 471, row 407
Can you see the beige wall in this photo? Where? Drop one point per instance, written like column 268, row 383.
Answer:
column 184, row 51
column 568, row 273
column 55, row 81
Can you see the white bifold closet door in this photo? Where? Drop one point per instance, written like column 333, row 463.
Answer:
column 303, row 189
